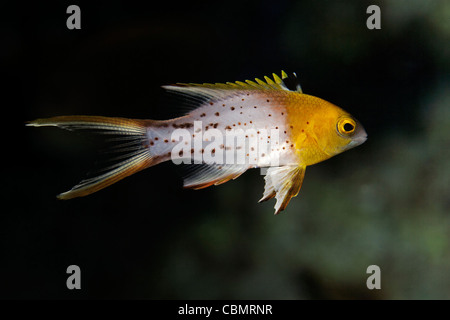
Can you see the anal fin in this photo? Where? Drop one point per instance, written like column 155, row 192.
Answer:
column 283, row 183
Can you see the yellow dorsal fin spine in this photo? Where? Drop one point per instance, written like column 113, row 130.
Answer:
column 277, row 78
column 270, row 81
column 263, row 84
column 252, row 84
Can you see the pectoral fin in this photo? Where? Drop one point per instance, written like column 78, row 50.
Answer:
column 283, row 183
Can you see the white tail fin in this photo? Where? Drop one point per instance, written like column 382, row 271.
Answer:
column 134, row 131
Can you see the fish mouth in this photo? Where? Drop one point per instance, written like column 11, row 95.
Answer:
column 358, row 140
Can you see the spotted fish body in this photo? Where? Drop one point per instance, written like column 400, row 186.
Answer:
column 249, row 113
column 234, row 127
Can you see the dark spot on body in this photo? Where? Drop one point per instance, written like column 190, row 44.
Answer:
column 156, row 139
column 180, row 153
column 165, row 140
column 217, row 114
column 232, row 108
column 202, row 115
column 215, row 125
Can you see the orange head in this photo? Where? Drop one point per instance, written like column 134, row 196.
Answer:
column 335, row 130
column 322, row 130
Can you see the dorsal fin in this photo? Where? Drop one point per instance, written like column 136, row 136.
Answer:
column 209, row 91
column 291, row 82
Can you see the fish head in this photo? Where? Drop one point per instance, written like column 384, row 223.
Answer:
column 340, row 132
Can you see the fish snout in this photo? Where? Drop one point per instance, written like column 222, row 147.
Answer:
column 359, row 138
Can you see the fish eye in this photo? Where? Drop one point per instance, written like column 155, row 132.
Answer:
column 346, row 126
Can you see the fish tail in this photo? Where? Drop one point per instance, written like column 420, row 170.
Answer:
column 134, row 140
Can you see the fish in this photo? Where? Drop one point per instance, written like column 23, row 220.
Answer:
column 231, row 127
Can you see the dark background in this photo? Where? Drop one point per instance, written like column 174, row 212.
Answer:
column 384, row 203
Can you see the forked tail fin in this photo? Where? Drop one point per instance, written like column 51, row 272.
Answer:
column 132, row 132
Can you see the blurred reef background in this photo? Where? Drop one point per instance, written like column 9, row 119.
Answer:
column 385, row 203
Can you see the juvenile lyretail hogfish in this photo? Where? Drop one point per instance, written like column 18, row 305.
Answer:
column 234, row 127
